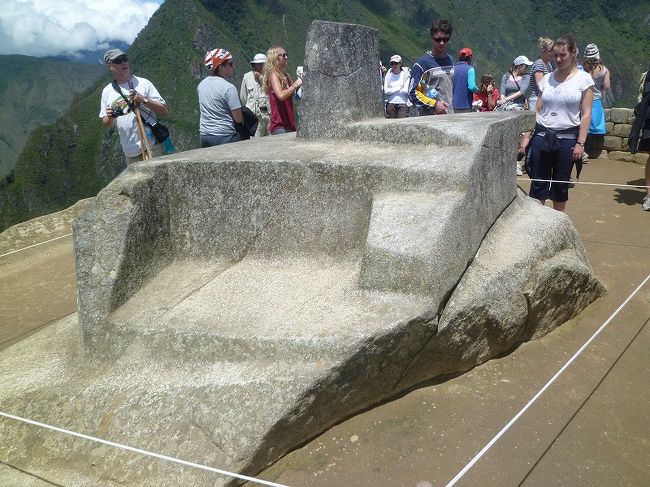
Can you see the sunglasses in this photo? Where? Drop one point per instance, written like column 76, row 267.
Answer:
column 440, row 40
column 284, row 55
column 393, row 63
column 120, row 60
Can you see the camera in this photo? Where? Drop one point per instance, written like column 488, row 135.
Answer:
column 117, row 112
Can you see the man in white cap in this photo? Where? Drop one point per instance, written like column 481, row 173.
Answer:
column 252, row 94
column 116, row 106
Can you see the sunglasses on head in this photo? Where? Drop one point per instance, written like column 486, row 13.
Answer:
column 120, row 59
column 440, row 40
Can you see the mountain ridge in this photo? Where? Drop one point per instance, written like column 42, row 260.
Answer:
column 75, row 157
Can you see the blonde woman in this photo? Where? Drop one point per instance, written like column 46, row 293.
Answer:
column 539, row 68
column 280, row 88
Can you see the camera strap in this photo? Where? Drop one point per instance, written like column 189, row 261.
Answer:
column 117, row 88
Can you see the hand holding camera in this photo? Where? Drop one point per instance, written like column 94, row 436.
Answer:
column 114, row 112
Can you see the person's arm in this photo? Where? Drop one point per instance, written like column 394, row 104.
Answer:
column 406, row 82
column 151, row 104
column 416, row 74
column 108, row 120
column 538, row 77
column 237, row 115
column 502, row 88
column 277, row 87
column 524, row 84
column 243, row 91
column 492, row 97
column 585, row 120
column 471, row 80
column 388, row 88
column 606, row 85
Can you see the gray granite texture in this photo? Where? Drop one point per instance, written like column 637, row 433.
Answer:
column 239, row 300
column 342, row 78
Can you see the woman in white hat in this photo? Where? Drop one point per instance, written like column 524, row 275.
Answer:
column 514, row 84
column 252, row 94
column 396, row 88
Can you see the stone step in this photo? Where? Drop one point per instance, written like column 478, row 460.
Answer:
column 293, row 310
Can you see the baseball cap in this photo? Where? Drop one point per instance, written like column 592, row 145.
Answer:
column 522, row 60
column 259, row 59
column 465, row 52
column 396, row 58
column 112, row 54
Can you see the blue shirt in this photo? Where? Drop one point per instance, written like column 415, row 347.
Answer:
column 464, row 85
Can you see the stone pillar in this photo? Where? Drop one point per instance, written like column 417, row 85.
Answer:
column 342, row 78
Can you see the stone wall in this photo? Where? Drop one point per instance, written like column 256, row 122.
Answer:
column 619, row 123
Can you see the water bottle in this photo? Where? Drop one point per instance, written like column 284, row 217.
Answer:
column 149, row 134
column 169, row 147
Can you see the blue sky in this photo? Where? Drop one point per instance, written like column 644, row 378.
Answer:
column 54, row 27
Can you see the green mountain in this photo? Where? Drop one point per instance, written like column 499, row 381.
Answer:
column 35, row 92
column 75, row 157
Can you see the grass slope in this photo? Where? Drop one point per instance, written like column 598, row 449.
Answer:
column 35, row 92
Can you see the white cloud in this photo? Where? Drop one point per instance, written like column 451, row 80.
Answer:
column 52, row 27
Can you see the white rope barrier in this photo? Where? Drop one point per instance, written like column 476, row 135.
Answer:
column 582, row 182
column 489, row 445
column 141, row 451
column 35, row 245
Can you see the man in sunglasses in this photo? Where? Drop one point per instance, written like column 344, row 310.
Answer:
column 431, row 89
column 117, row 106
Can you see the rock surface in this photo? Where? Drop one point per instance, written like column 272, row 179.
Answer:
column 239, row 300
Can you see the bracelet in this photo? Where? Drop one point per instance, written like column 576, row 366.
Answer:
column 580, row 143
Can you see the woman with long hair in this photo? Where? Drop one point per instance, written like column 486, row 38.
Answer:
column 563, row 118
column 485, row 99
column 280, row 88
column 600, row 74
column 540, row 67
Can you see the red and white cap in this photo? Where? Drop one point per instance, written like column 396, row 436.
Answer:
column 215, row 57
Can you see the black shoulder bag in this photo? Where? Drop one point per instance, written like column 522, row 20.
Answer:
column 160, row 132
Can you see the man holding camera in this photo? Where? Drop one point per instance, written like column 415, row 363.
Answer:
column 119, row 100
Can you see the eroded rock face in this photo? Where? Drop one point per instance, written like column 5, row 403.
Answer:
column 239, row 300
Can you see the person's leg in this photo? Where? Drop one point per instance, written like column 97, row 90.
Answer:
column 278, row 131
column 562, row 167
column 391, row 110
column 540, row 168
column 646, row 200
column 402, row 111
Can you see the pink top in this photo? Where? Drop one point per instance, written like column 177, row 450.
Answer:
column 281, row 114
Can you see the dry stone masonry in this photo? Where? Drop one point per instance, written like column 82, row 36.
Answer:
column 236, row 301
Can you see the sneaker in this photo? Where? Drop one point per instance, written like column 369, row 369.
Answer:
column 518, row 171
column 585, row 158
column 646, row 203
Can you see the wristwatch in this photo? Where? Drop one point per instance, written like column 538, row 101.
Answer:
column 580, row 143
column 145, row 101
